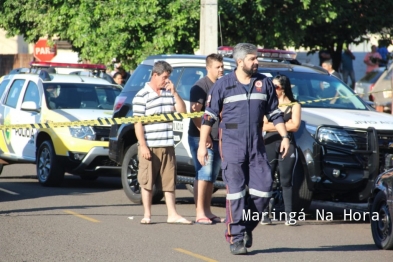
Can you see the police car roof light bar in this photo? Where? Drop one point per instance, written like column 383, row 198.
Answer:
column 227, row 51
column 68, row 65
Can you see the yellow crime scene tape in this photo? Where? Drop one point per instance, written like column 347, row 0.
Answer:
column 107, row 121
column 143, row 119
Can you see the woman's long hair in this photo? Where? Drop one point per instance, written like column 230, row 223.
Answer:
column 286, row 84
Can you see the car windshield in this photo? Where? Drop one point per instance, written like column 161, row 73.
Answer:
column 371, row 77
column 183, row 77
column 78, row 95
column 321, row 91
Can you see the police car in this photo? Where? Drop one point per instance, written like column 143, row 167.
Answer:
column 43, row 98
column 342, row 143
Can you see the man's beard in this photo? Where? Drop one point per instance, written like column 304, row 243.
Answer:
column 251, row 70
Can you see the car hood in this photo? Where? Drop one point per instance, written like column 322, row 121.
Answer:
column 348, row 118
column 70, row 115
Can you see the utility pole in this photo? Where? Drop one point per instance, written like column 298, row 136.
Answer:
column 208, row 33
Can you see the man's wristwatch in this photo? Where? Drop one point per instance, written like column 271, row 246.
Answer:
column 286, row 136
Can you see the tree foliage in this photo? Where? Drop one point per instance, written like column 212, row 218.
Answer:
column 313, row 24
column 130, row 30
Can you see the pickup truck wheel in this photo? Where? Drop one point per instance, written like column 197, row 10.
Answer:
column 301, row 195
column 381, row 228
column 129, row 177
column 190, row 188
column 49, row 171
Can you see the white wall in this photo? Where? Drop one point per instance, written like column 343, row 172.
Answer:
column 14, row 45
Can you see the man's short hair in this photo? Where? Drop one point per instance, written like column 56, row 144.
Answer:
column 214, row 57
column 328, row 62
column 240, row 51
column 160, row 67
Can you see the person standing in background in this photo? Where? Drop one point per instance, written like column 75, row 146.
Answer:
column 286, row 166
column 372, row 59
column 205, row 175
column 156, row 151
column 347, row 67
column 328, row 66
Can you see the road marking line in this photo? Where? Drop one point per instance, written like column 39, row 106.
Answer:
column 9, row 192
column 82, row 216
column 195, row 255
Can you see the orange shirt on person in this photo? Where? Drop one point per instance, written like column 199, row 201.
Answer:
column 373, row 67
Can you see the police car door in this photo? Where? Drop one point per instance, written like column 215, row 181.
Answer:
column 22, row 105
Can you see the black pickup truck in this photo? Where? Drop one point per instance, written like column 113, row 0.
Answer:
column 341, row 147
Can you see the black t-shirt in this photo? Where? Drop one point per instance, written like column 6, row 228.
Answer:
column 198, row 94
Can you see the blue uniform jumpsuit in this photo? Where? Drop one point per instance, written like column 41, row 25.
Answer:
column 242, row 149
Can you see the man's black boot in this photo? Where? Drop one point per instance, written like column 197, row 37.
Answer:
column 247, row 239
column 238, row 248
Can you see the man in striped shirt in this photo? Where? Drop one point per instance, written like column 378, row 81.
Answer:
column 156, row 152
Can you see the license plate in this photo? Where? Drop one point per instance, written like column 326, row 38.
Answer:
column 359, row 90
column 177, row 126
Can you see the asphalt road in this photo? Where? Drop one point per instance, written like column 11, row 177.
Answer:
column 94, row 221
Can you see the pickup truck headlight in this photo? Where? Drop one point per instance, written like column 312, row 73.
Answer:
column 83, row 132
column 335, row 137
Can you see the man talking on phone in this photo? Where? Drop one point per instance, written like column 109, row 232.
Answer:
column 156, row 152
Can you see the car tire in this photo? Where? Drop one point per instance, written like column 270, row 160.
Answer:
column 301, row 195
column 49, row 171
column 382, row 228
column 129, row 177
column 190, row 188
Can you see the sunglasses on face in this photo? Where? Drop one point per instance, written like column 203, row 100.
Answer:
column 277, row 87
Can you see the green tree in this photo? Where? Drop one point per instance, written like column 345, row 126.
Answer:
column 313, row 24
column 128, row 30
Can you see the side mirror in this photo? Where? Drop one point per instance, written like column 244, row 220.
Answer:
column 30, row 106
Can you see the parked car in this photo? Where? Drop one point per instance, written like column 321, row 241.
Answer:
column 382, row 91
column 376, row 87
column 381, row 210
column 46, row 98
column 341, row 146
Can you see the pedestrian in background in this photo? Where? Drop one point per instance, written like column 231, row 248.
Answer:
column 328, row 66
column 240, row 100
column 118, row 78
column 205, row 175
column 324, row 55
column 372, row 59
column 383, row 51
column 286, row 166
column 156, row 152
column 347, row 67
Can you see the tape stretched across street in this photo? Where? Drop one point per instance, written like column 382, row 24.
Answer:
column 107, row 121
column 143, row 119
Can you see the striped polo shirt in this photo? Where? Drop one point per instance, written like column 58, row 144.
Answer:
column 145, row 103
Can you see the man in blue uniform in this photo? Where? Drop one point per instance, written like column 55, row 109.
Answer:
column 240, row 100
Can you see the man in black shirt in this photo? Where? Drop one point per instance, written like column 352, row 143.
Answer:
column 328, row 66
column 205, row 175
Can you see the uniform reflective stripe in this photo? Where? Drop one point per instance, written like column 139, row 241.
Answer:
column 259, row 193
column 211, row 115
column 257, row 96
column 237, row 195
column 277, row 111
column 236, row 98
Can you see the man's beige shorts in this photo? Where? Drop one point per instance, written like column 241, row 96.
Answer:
column 159, row 170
